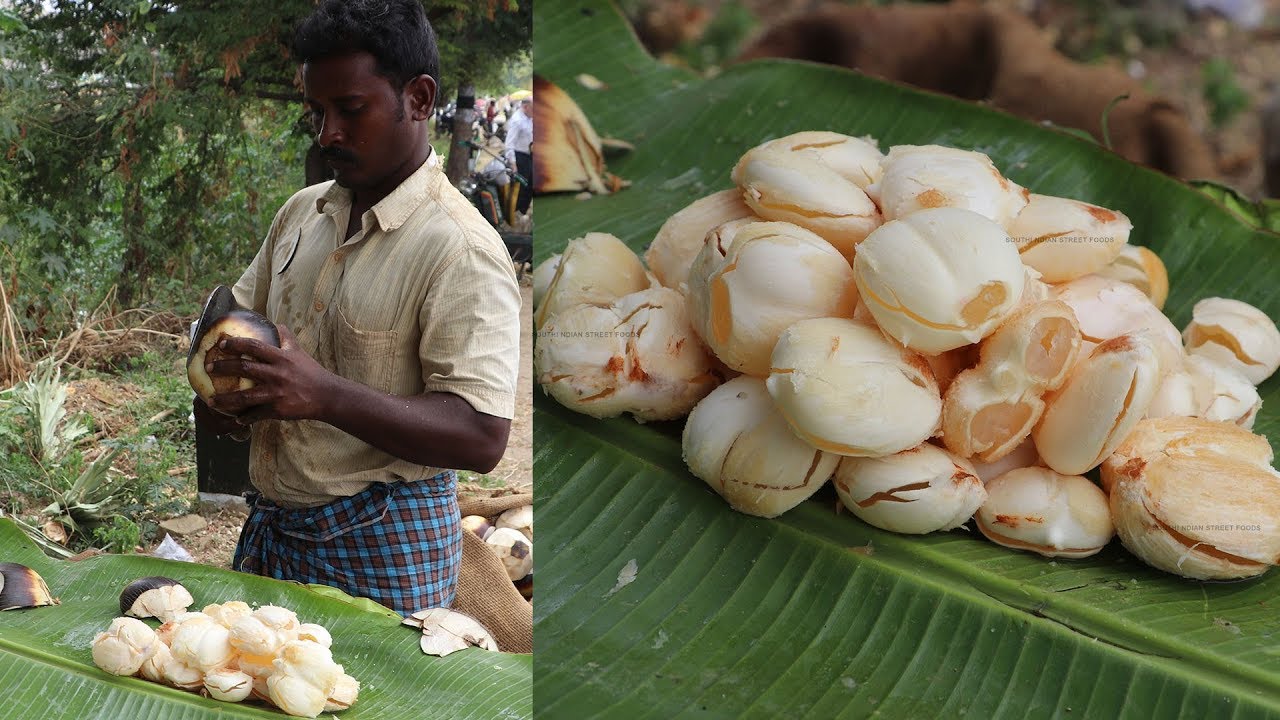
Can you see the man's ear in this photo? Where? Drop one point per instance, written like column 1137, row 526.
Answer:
column 421, row 95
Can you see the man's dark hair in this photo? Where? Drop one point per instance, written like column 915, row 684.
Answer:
column 396, row 32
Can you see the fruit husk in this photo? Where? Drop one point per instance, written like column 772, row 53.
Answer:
column 21, row 587
column 570, row 153
column 135, row 589
column 223, row 317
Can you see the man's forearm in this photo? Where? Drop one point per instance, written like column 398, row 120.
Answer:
column 435, row 429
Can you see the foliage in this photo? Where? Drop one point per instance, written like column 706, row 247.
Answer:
column 91, row 500
column 122, row 535
column 518, row 73
column 721, row 40
column 485, row 481
column 480, row 40
column 1100, row 29
column 486, row 39
column 1264, row 213
column 140, row 161
column 43, row 397
column 141, row 475
column 1222, row 93
column 149, row 143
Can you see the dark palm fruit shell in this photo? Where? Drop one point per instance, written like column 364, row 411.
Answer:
column 481, row 526
column 525, row 586
column 22, row 587
column 134, row 590
column 222, row 318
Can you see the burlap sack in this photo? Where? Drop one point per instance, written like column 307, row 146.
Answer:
column 987, row 53
column 492, row 506
column 484, row 590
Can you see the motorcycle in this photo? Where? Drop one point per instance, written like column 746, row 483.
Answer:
column 492, row 188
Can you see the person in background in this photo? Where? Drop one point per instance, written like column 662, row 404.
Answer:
column 398, row 312
column 519, row 150
column 490, row 112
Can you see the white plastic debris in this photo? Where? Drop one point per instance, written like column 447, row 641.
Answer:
column 169, row 549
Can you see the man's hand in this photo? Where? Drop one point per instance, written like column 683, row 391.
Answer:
column 437, row 429
column 288, row 383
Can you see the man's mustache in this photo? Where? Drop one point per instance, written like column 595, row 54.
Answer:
column 339, row 154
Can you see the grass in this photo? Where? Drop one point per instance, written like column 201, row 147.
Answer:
column 486, row 481
column 1223, row 95
column 139, row 409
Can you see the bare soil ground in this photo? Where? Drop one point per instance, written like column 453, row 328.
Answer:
column 216, row 543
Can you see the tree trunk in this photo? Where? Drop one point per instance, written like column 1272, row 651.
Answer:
column 136, row 268
column 459, row 154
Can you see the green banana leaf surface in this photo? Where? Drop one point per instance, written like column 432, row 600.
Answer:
column 47, row 670
column 658, row 601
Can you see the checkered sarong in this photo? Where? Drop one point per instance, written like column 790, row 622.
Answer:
column 399, row 544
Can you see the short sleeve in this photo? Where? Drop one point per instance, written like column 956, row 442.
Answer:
column 471, row 331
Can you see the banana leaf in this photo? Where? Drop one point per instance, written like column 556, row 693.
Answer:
column 47, row 670
column 658, row 601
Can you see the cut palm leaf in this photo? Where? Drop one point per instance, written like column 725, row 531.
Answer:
column 46, row 662
column 815, row 614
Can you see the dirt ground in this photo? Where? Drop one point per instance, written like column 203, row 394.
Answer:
column 215, row 544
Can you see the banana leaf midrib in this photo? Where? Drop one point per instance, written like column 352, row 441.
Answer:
column 1087, row 623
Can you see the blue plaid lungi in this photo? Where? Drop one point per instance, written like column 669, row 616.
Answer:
column 398, row 544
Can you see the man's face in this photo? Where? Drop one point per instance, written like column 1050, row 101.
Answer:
column 362, row 123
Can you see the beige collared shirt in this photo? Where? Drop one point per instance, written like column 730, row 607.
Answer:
column 423, row 298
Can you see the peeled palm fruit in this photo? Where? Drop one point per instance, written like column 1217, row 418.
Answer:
column 1104, row 397
column 1045, row 512
column 596, row 268
column 1196, row 498
column 923, row 177
column 738, row 442
column 1236, row 335
column 680, row 238
column 637, row 354
column 799, row 188
column 1065, row 239
column 1143, row 269
column 939, row 279
column 921, row 490
column 846, row 389
column 749, row 285
column 991, row 408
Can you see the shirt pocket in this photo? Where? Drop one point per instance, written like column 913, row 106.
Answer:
column 365, row 356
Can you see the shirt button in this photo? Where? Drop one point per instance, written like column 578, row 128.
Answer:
column 319, row 306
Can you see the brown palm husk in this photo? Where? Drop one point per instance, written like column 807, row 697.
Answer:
column 999, row 56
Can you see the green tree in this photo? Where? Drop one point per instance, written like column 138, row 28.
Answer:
column 149, row 142
column 484, row 38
